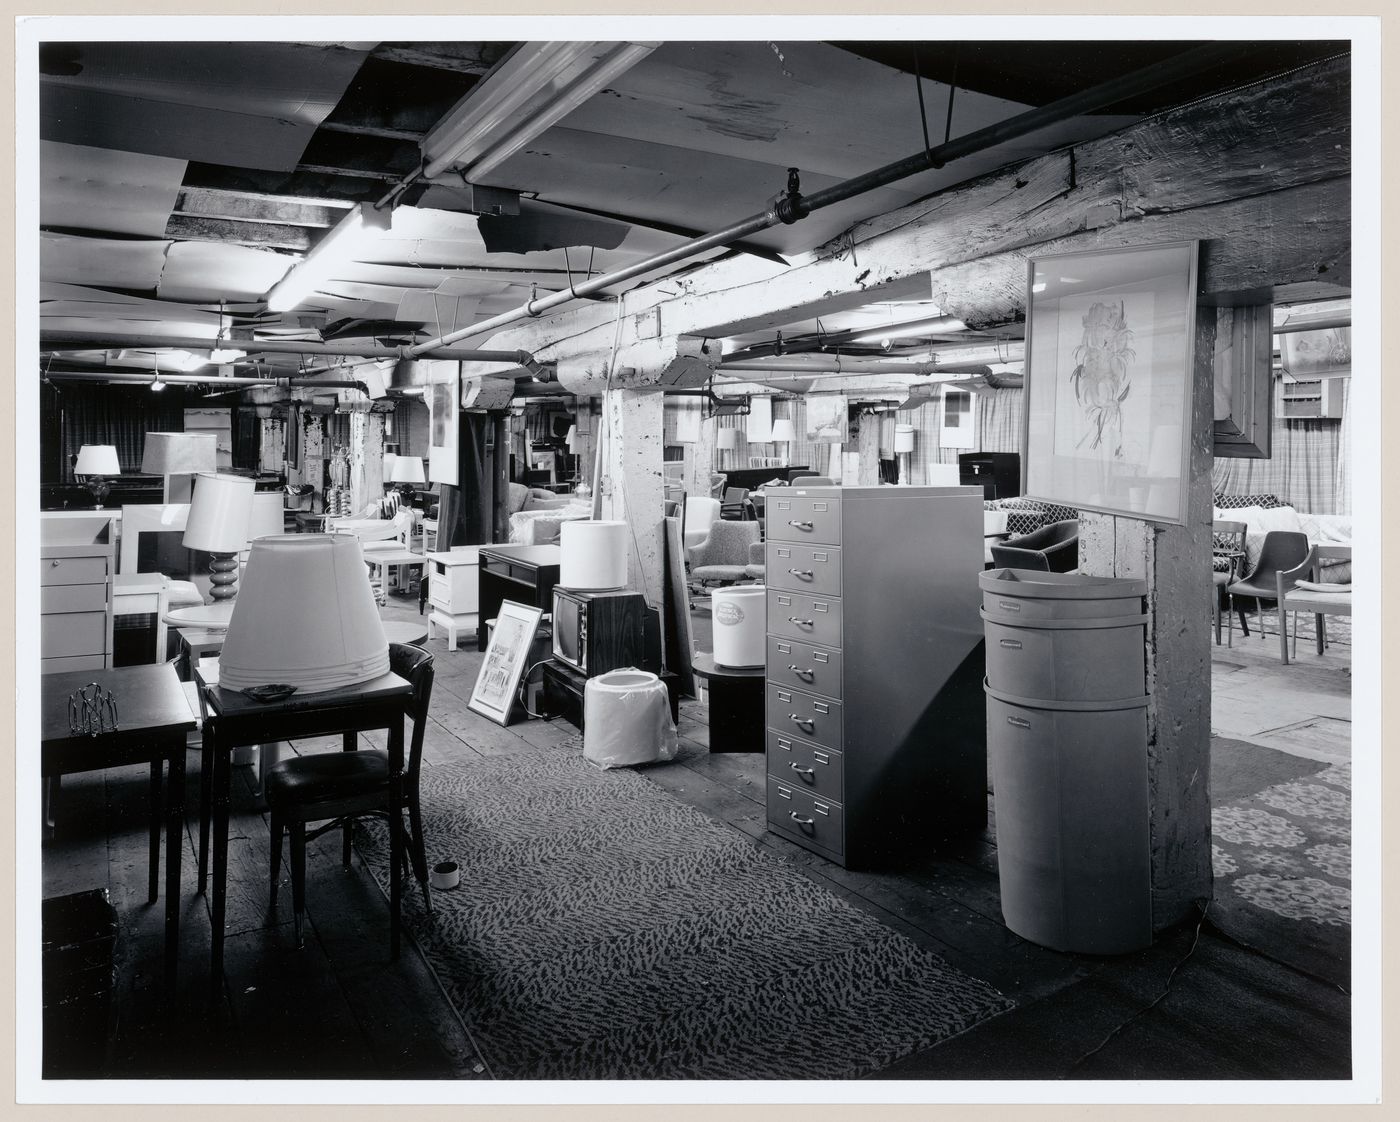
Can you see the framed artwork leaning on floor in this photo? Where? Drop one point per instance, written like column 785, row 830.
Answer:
column 1109, row 352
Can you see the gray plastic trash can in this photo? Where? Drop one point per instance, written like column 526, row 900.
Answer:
column 1067, row 738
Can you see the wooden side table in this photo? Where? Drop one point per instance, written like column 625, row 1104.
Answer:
column 526, row 574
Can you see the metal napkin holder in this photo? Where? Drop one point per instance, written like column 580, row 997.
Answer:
column 92, row 710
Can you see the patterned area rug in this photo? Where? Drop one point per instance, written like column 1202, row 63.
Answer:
column 604, row 930
column 1282, row 860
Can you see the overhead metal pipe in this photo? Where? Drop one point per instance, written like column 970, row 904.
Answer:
column 108, row 340
column 793, row 206
column 137, row 378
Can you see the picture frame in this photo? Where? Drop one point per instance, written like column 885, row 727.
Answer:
column 498, row 681
column 1244, row 382
column 1110, row 339
column 441, row 395
column 827, row 418
column 957, row 423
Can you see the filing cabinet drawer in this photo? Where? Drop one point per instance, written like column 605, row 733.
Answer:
column 791, row 663
column 814, row 821
column 72, row 662
column 803, row 568
column 73, row 633
column 804, row 714
column 803, row 518
column 808, row 766
column 73, row 598
column 811, row 619
column 73, row 570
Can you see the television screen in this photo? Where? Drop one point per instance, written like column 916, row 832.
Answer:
column 568, row 615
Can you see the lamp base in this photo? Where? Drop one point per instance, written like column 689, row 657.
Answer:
column 99, row 488
column 223, row 576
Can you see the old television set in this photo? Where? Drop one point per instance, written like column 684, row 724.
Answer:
column 595, row 632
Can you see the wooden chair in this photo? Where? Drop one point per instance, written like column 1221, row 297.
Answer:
column 1320, row 601
column 335, row 788
column 1228, row 538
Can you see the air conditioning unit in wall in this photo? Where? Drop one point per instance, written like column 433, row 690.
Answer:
column 1320, row 397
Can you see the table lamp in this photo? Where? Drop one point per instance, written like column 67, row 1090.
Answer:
column 407, row 471
column 903, row 446
column 221, row 511
column 727, row 440
column 96, row 461
column 306, row 617
column 179, row 457
column 783, row 434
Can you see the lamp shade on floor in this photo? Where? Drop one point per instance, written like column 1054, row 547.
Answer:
column 306, row 617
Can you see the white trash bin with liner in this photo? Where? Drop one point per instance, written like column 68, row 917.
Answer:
column 627, row 719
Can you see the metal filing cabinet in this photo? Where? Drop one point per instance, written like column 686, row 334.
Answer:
column 76, row 566
column 876, row 733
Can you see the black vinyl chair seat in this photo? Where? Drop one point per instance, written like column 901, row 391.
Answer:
column 310, row 779
column 1050, row 549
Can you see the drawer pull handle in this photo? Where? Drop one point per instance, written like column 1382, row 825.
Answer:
column 800, row 673
column 802, row 622
column 801, row 770
column 1011, row 644
column 800, row 525
column 801, row 573
column 801, row 821
column 1019, row 722
column 53, row 564
column 801, row 720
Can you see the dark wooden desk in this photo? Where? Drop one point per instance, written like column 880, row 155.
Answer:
column 736, row 704
column 153, row 721
column 526, row 574
column 234, row 720
column 753, row 478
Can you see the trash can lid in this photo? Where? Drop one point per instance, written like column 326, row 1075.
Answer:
column 1059, row 586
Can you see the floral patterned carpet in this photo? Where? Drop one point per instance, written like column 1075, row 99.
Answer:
column 1282, row 860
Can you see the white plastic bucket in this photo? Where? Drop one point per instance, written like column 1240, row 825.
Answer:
column 740, row 625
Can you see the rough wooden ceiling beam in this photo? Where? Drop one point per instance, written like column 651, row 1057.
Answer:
column 394, row 101
column 461, row 58
column 359, row 156
column 262, row 235
column 198, row 202
column 381, row 132
column 328, row 189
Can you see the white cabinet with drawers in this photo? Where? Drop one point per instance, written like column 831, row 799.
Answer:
column 876, row 728
column 77, row 560
column 453, row 592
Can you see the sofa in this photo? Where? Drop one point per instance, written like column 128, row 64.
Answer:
column 1264, row 512
column 537, row 514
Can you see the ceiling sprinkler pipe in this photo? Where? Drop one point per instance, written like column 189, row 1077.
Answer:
column 790, row 206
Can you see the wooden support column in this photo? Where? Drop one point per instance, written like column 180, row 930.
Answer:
column 1175, row 562
column 629, row 489
column 700, row 459
column 868, row 447
column 366, row 459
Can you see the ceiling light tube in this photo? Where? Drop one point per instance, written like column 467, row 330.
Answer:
column 527, row 92
column 936, row 325
column 351, row 236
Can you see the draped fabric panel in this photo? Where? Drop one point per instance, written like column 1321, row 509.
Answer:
column 116, row 415
column 1342, row 497
column 247, row 439
column 464, row 511
column 1303, row 470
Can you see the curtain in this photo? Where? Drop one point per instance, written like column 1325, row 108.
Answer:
column 1342, row 497
column 1303, row 470
column 116, row 415
column 1000, row 420
column 464, row 511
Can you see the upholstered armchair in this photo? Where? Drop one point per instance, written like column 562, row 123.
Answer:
column 724, row 555
column 1053, row 549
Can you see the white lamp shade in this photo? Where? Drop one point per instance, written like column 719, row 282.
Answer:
column 305, row 617
column 388, row 468
column 220, row 513
column 903, row 438
column 593, row 554
column 267, row 517
column 180, row 453
column 571, row 438
column 97, row 459
column 406, row 469
column 727, row 440
column 783, row 431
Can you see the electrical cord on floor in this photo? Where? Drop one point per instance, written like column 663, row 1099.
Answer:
column 1102, row 1044
column 521, row 691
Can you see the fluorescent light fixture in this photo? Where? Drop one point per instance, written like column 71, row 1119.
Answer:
column 529, row 90
column 935, row 325
column 351, row 235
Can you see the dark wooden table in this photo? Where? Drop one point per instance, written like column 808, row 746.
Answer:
column 234, row 720
column 736, row 704
column 153, row 722
column 526, row 574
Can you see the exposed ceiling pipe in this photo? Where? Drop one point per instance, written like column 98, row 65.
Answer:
column 792, row 206
column 113, row 339
column 137, row 378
